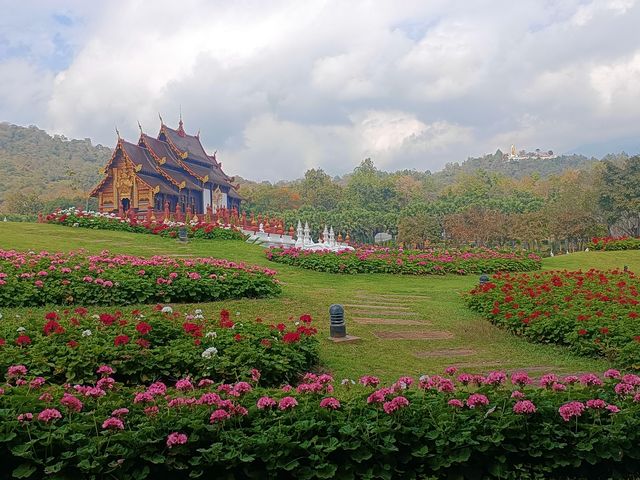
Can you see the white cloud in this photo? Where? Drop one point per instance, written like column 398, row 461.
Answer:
column 283, row 86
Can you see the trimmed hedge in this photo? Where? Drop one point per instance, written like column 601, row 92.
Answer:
column 96, row 221
column 594, row 313
column 407, row 262
column 29, row 279
column 615, row 243
column 441, row 428
column 160, row 343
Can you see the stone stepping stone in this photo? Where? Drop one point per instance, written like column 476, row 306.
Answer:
column 446, row 352
column 381, row 313
column 378, row 307
column 409, row 335
column 389, row 321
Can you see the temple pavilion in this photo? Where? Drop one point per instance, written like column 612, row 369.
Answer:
column 169, row 170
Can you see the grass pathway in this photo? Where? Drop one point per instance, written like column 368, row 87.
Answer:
column 407, row 325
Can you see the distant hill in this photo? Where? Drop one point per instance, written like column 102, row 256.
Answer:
column 51, row 166
column 496, row 163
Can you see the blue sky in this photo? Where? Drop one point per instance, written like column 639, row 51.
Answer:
column 278, row 87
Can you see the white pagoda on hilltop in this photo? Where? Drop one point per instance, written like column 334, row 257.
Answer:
column 538, row 154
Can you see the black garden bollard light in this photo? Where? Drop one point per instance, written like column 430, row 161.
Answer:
column 337, row 327
column 484, row 278
column 182, row 234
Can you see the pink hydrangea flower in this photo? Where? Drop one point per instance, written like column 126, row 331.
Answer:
column 369, row 381
column 465, row 378
column 48, row 415
column 143, row 397
column 631, row 379
column 37, row 382
column 570, row 410
column 590, row 379
column 612, row 373
column 184, row 384
column 242, row 387
column 396, row 404
column 120, row 412
column 265, row 402
column 16, row 371
column 287, row 403
column 205, row 382
column 25, row 417
column 548, row 380
column 219, row 416
column 330, row 402
column 157, row 388
column 46, row 397
column 287, row 388
column 496, row 378
column 454, row 402
column 524, row 407
column 450, row 370
column 105, row 370
column 151, row 411
column 477, row 399
column 623, row 389
column 521, row 379
column 71, row 402
column 176, row 438
column 570, row 379
column 113, row 423
column 517, row 394
column 596, row 404
column 612, row 408
column 558, row 387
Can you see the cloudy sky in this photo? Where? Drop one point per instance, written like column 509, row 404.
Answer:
column 278, row 87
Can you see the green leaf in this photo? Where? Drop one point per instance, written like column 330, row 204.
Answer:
column 24, row 470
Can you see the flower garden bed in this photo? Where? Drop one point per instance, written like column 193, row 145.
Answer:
column 409, row 262
column 99, row 221
column 452, row 426
column 595, row 313
column 615, row 243
column 159, row 343
column 30, row 279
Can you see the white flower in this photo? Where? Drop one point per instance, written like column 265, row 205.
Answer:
column 297, row 323
column 346, row 381
column 209, row 352
column 424, row 378
column 198, row 311
column 96, row 316
column 237, row 314
column 86, row 333
column 21, row 329
column 167, row 309
column 211, row 334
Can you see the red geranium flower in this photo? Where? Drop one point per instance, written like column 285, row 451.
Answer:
column 281, row 327
column 306, row 318
column 265, row 342
column 582, row 331
column 72, row 344
column 237, row 337
column 2, row 341
column 291, row 337
column 107, row 319
column 143, row 343
column 52, row 316
column 143, row 328
column 52, row 327
column 81, row 311
column 23, row 340
column 604, row 330
column 121, row 340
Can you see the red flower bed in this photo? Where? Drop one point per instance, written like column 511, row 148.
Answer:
column 594, row 313
column 615, row 243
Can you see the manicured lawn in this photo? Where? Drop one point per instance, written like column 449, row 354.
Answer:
column 431, row 304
